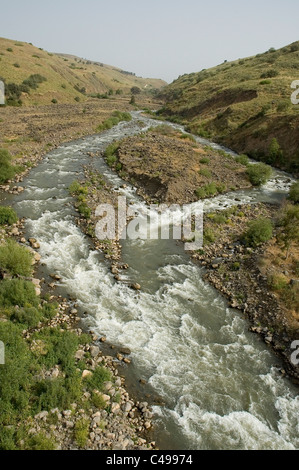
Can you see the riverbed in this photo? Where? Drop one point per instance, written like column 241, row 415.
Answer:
column 220, row 383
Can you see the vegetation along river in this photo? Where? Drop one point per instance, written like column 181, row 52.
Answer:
column 219, row 382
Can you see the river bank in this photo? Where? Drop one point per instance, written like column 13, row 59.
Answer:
column 104, row 416
column 239, row 273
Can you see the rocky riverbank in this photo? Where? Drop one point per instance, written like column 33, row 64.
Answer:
column 168, row 166
column 238, row 271
column 103, row 415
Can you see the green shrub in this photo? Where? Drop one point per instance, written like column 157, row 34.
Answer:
column 15, row 378
column 204, row 161
column 209, row 235
column 7, row 216
column 81, row 432
column 16, row 259
column 208, row 190
column 17, row 292
column 7, row 171
column 278, row 282
column 243, row 159
column 34, row 80
column 99, row 376
column 57, row 393
column 54, row 101
column 117, row 116
column 29, row 316
column 294, row 192
column 40, row 442
column 259, row 173
column 259, row 231
column 59, row 348
column 205, row 172
column 270, row 74
column 111, row 152
column 76, row 188
column 84, row 210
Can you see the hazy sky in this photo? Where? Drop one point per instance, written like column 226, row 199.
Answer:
column 154, row 38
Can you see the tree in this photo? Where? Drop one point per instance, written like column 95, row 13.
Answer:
column 259, row 173
column 275, row 152
column 259, row 231
column 294, row 192
column 135, row 90
column 289, row 223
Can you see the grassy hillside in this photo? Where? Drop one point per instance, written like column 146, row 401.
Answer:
column 244, row 104
column 65, row 78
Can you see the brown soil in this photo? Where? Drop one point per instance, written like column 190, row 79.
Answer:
column 167, row 169
column 29, row 132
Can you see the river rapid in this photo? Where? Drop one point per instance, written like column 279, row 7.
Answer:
column 219, row 382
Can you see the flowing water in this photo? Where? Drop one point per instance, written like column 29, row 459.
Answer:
column 219, row 382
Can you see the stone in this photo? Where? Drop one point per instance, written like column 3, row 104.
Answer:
column 135, row 286
column 115, row 408
column 127, row 407
column 41, row 415
column 86, row 373
column 94, row 351
column 80, row 354
column 125, row 351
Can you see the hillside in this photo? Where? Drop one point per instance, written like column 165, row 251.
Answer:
column 61, row 77
column 243, row 104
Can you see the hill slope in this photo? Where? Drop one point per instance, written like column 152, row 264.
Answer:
column 243, row 104
column 68, row 78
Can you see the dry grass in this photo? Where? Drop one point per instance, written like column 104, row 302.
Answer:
column 63, row 74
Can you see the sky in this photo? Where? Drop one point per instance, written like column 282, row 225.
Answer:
column 153, row 38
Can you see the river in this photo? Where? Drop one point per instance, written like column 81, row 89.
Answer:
column 219, row 382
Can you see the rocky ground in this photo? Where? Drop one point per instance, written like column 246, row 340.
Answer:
column 115, row 421
column 30, row 132
column 167, row 166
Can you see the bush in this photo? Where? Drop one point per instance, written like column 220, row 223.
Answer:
column 259, row 231
column 243, row 159
column 110, row 153
column 98, row 378
column 7, row 216
column 16, row 259
column 270, row 74
column 54, row 101
column 117, row 116
column 40, row 442
column 259, row 173
column 81, row 432
column 209, row 236
column 205, row 172
column 294, row 192
column 84, row 210
column 34, row 80
column 29, row 316
column 204, row 161
column 17, row 292
column 7, row 171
